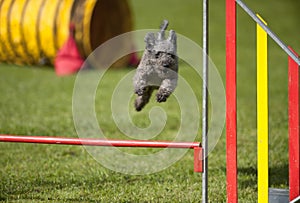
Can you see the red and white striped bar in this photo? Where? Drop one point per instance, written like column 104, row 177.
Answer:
column 97, row 142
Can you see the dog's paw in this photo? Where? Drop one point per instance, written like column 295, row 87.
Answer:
column 161, row 98
column 138, row 106
column 140, row 91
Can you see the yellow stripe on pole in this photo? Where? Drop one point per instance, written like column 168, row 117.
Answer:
column 262, row 115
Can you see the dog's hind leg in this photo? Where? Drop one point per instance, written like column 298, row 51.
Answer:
column 143, row 99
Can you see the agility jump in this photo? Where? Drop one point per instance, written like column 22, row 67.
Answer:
column 262, row 107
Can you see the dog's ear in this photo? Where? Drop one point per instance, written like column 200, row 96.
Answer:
column 172, row 37
column 150, row 40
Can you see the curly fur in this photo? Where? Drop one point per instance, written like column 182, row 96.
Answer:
column 158, row 68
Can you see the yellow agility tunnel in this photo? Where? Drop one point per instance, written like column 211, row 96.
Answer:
column 32, row 31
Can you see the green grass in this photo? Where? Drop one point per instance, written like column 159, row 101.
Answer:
column 36, row 102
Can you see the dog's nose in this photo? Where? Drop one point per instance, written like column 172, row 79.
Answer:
column 166, row 65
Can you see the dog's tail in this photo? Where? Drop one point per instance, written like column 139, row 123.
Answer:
column 163, row 28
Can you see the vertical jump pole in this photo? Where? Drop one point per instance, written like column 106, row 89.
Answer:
column 205, row 103
column 231, row 130
column 294, row 151
column 262, row 115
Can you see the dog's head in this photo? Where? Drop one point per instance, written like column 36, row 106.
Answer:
column 162, row 49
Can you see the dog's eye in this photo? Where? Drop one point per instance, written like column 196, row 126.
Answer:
column 157, row 54
column 172, row 56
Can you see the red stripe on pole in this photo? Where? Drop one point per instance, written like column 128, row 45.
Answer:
column 97, row 142
column 198, row 159
column 231, row 134
column 294, row 151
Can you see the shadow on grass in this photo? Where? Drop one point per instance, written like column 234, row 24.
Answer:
column 278, row 176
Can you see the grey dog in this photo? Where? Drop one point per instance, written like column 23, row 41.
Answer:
column 158, row 68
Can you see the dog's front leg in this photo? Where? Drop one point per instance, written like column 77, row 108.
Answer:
column 165, row 90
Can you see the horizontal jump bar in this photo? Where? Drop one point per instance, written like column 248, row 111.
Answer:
column 97, row 142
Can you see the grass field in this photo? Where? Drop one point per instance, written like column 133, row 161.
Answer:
column 36, row 102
